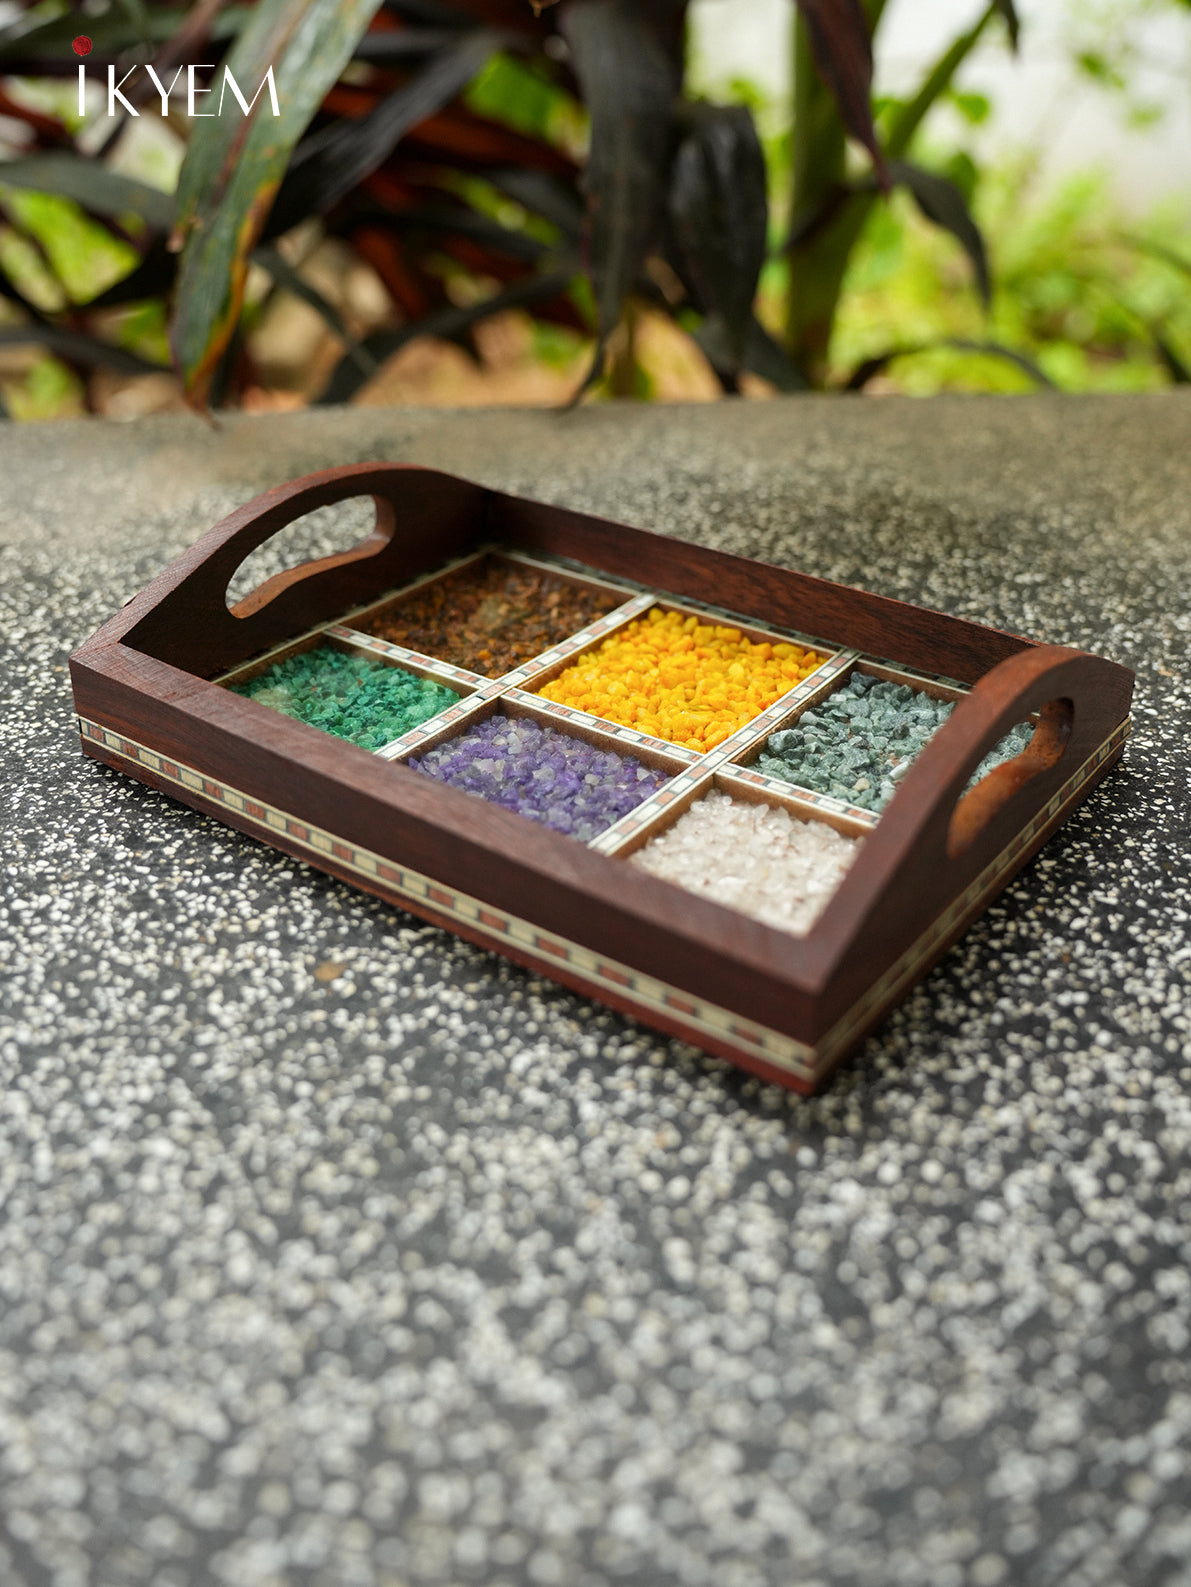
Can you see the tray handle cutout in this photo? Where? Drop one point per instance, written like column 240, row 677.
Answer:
column 981, row 804
column 423, row 518
column 258, row 579
column 938, row 838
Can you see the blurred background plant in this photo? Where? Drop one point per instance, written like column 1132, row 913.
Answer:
column 465, row 202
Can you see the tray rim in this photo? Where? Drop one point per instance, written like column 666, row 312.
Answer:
column 802, row 988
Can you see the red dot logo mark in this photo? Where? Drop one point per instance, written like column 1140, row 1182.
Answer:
column 82, row 45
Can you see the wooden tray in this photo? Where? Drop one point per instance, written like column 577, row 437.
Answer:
column 786, row 1007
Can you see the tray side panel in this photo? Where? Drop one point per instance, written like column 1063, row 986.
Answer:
column 774, row 1055
column 929, row 640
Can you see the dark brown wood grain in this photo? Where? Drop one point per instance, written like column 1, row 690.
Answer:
column 145, row 675
column 816, row 607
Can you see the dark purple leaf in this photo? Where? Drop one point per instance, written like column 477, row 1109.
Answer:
column 1008, row 10
column 400, row 46
column 77, row 348
column 330, row 163
column 450, row 219
column 815, row 218
column 447, row 324
column 628, row 58
column 153, row 276
column 428, row 14
column 843, row 52
column 284, row 275
column 543, row 195
column 43, row 48
column 719, row 216
column 942, row 202
column 872, row 367
column 762, row 355
column 1178, row 371
column 97, row 189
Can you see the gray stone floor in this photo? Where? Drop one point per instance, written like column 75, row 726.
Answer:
column 336, row 1253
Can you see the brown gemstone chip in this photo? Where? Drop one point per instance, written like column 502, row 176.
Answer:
column 490, row 616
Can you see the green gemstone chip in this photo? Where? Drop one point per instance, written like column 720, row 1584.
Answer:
column 367, row 702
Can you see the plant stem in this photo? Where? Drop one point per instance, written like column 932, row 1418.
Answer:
column 819, row 151
column 819, row 263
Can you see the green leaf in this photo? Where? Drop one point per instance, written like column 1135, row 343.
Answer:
column 13, row 293
column 974, row 108
column 1158, row 250
column 91, row 185
column 1100, row 69
column 234, row 166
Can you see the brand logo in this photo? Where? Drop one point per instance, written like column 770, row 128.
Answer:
column 82, row 47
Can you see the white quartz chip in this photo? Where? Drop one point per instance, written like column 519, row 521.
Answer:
column 753, row 857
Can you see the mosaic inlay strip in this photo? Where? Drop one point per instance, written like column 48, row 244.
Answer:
column 759, row 727
column 580, row 640
column 808, row 796
column 433, row 726
column 399, row 653
column 628, row 826
column 407, row 885
column 916, row 674
column 696, row 1014
column 628, row 736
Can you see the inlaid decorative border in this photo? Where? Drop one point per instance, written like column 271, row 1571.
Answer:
column 695, row 1015
column 403, row 883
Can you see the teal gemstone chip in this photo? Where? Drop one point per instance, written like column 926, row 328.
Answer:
column 858, row 743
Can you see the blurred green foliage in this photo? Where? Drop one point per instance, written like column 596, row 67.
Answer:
column 1074, row 291
column 1097, row 299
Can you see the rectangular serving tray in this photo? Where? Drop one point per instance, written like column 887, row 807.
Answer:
column 151, row 696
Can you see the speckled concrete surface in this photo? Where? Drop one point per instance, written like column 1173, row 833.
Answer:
column 335, row 1253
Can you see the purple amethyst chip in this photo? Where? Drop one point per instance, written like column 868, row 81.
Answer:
column 564, row 782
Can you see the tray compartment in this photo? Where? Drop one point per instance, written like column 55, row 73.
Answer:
column 680, row 678
column 345, row 690
column 491, row 615
column 774, row 859
column 856, row 742
column 517, row 757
